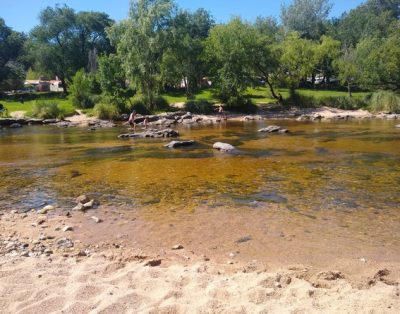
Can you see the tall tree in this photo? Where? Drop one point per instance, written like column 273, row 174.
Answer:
column 182, row 61
column 297, row 60
column 307, row 17
column 347, row 69
column 141, row 42
column 61, row 43
column 11, row 50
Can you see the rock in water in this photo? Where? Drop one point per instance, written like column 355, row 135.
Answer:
column 15, row 126
column 175, row 144
column 223, row 147
column 153, row 133
column 270, row 129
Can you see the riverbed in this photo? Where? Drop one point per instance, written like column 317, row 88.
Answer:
column 325, row 191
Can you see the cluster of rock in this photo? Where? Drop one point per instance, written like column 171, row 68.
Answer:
column 84, row 203
column 20, row 122
column 151, row 133
column 168, row 119
column 273, row 129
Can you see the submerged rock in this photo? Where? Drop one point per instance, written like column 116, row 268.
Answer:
column 175, row 144
column 15, row 126
column 153, row 133
column 223, row 147
column 271, row 129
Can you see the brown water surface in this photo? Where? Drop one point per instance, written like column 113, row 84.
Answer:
column 326, row 187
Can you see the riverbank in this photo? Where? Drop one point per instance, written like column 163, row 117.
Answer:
column 169, row 119
column 99, row 261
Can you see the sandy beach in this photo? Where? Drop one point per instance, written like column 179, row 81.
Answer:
column 127, row 275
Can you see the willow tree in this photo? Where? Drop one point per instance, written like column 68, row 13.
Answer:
column 141, row 41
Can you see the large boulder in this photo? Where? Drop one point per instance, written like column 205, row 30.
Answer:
column 223, row 147
column 175, row 144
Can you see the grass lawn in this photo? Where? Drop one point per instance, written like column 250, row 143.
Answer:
column 63, row 102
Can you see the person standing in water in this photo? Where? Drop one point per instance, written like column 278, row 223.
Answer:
column 221, row 112
column 131, row 120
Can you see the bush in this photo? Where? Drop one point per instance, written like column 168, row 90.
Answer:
column 139, row 105
column 241, row 104
column 199, row 106
column 47, row 110
column 80, row 90
column 386, row 101
column 106, row 111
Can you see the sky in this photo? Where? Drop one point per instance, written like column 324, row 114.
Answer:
column 22, row 15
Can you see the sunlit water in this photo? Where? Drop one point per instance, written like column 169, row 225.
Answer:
column 318, row 172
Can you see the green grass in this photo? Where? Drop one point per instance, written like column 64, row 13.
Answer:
column 64, row 104
column 180, row 96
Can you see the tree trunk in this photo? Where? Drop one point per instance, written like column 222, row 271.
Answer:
column 349, row 89
column 64, row 85
column 278, row 96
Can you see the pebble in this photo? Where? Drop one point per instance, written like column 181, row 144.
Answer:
column 88, row 205
column 177, row 247
column 96, row 219
column 46, row 209
column 68, row 228
column 79, row 207
column 82, row 199
column 153, row 263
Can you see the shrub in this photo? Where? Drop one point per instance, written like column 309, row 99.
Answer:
column 47, row 110
column 139, row 105
column 106, row 111
column 80, row 90
column 199, row 106
column 241, row 104
column 386, row 101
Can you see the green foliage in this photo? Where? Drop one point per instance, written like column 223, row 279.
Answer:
column 47, row 110
column 297, row 60
column 199, row 106
column 241, row 104
column 141, row 42
column 385, row 101
column 11, row 49
column 106, row 111
column 63, row 41
column 80, row 90
column 139, row 105
column 307, row 17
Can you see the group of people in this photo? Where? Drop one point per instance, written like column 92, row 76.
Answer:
column 132, row 116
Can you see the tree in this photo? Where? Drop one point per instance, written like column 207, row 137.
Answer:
column 227, row 51
column 11, row 49
column 378, row 61
column 182, row 62
column 141, row 42
column 325, row 55
column 370, row 19
column 61, row 43
column 307, row 17
column 112, row 79
column 297, row 60
column 80, row 90
column 347, row 69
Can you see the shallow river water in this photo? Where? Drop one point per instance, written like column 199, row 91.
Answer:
column 339, row 178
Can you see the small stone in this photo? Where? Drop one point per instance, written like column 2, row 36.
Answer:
column 231, row 254
column 153, row 263
column 177, row 247
column 78, row 207
column 88, row 205
column 14, row 211
column 67, row 228
column 363, row 260
column 230, row 263
column 25, row 254
column 41, row 221
column 46, row 209
column 82, row 199
column 96, row 219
